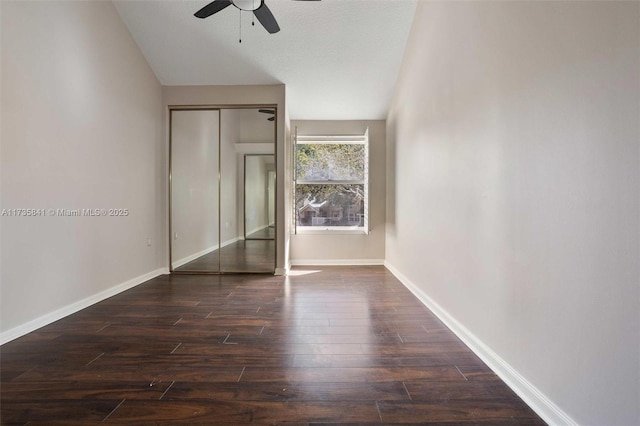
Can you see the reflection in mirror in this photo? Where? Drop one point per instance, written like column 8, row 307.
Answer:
column 194, row 190
column 247, row 133
column 259, row 197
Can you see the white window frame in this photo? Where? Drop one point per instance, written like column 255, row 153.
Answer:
column 337, row 139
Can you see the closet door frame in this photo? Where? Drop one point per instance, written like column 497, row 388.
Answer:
column 219, row 108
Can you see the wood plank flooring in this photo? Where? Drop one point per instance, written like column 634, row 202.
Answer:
column 327, row 345
column 268, row 233
column 255, row 256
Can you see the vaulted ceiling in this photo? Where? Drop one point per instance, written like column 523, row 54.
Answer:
column 339, row 59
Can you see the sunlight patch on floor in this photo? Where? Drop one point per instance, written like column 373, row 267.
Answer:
column 298, row 272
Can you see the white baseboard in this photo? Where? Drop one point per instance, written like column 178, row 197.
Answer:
column 283, row 271
column 336, row 262
column 543, row 406
column 46, row 319
column 194, row 256
column 231, row 241
column 259, row 228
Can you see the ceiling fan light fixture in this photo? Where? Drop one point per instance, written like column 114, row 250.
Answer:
column 247, row 5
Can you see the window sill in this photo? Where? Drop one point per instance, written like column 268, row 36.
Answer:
column 331, row 230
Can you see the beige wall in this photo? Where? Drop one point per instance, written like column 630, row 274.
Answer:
column 256, row 196
column 81, row 128
column 349, row 248
column 243, row 95
column 513, row 193
column 231, row 192
column 194, row 185
column 288, row 179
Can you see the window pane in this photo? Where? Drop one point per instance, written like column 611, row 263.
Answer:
column 330, row 161
column 330, row 205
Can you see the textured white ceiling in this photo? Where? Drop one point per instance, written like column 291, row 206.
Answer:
column 338, row 58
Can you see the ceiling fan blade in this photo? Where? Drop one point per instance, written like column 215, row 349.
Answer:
column 214, row 7
column 267, row 111
column 266, row 18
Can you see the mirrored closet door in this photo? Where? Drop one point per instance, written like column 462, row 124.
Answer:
column 222, row 190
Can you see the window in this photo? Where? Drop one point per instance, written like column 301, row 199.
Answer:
column 331, row 183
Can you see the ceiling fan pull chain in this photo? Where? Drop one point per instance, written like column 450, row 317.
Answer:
column 240, row 15
column 253, row 15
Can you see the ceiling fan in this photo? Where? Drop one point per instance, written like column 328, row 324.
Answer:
column 268, row 111
column 258, row 7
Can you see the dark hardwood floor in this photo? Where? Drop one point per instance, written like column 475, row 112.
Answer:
column 256, row 256
column 327, row 345
column 268, row 233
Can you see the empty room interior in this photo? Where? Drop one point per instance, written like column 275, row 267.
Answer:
column 320, row 212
